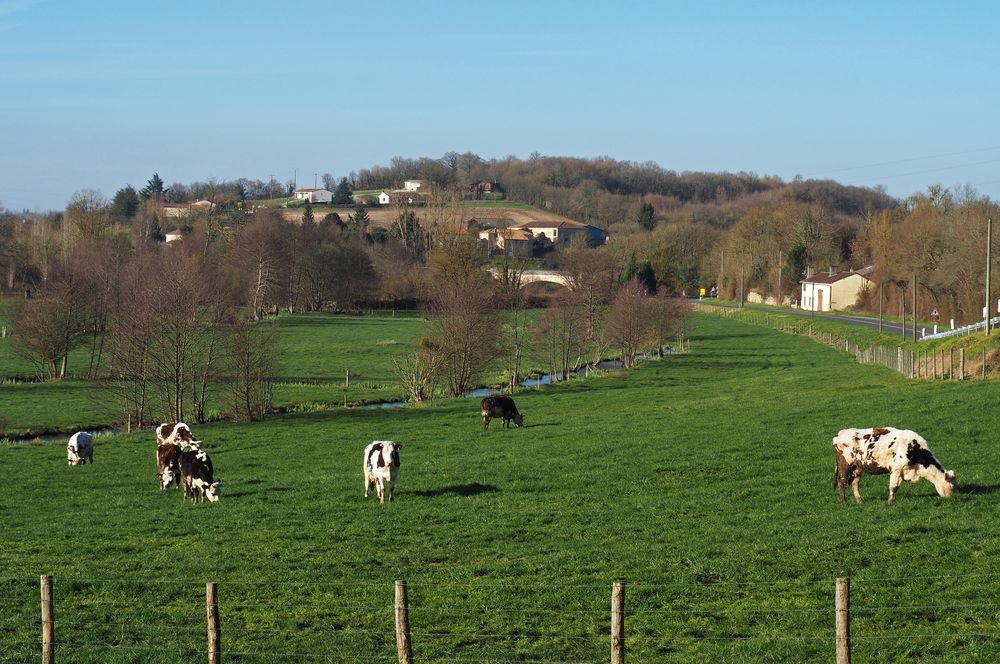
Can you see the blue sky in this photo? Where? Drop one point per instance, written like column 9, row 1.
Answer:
column 102, row 94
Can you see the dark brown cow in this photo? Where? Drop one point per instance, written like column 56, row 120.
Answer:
column 167, row 465
column 502, row 407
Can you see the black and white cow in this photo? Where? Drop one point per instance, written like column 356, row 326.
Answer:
column 900, row 453
column 197, row 476
column 381, row 467
column 177, row 433
column 168, row 465
column 500, row 406
column 80, row 448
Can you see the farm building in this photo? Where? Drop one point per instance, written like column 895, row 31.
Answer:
column 511, row 241
column 832, row 290
column 175, row 210
column 561, row 233
column 314, row 195
column 384, row 198
column 414, row 185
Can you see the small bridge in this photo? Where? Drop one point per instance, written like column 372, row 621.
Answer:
column 531, row 276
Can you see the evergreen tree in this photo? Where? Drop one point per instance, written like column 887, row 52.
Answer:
column 154, row 189
column 646, row 277
column 342, row 195
column 307, row 216
column 125, row 204
column 646, row 218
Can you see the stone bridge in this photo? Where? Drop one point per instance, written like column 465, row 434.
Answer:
column 530, row 276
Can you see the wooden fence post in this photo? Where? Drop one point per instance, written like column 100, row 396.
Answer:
column 404, row 650
column 212, row 607
column 843, row 609
column 618, row 623
column 48, row 621
column 961, row 364
column 347, row 378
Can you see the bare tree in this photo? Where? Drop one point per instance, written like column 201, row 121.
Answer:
column 630, row 321
column 514, row 334
column 52, row 324
column 670, row 319
column 251, row 367
column 464, row 324
column 560, row 336
column 417, row 371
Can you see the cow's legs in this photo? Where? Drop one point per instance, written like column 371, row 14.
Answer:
column 895, row 479
column 486, row 420
column 854, row 487
column 380, row 487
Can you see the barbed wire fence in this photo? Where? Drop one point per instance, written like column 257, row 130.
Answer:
column 924, row 364
column 175, row 620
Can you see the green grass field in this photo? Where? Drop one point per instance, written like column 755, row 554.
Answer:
column 703, row 481
column 317, row 351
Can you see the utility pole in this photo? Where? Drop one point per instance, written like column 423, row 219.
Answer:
column 742, row 270
column 881, row 287
column 989, row 252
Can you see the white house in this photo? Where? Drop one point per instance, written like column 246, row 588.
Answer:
column 414, row 185
column 830, row 290
column 314, row 195
column 173, row 236
column 384, row 198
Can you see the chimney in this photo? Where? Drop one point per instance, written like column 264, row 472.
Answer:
column 832, row 271
column 809, row 272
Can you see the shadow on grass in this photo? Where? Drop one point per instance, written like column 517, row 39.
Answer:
column 473, row 489
column 978, row 489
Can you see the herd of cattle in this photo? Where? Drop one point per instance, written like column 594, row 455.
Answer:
column 899, row 453
column 180, row 461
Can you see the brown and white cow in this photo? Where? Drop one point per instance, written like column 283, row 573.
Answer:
column 900, row 453
column 168, row 468
column 381, row 467
column 500, row 406
column 80, row 448
column 197, row 476
column 177, row 433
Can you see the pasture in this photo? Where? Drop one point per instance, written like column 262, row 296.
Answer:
column 704, row 481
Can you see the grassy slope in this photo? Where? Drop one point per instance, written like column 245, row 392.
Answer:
column 702, row 480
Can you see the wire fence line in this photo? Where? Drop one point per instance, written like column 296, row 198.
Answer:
column 924, row 364
column 487, row 622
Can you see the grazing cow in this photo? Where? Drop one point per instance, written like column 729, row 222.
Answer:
column 168, row 465
column 196, row 476
column 502, row 407
column 381, row 467
column 902, row 454
column 80, row 448
column 177, row 433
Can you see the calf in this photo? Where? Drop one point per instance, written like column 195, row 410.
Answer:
column 196, row 476
column 502, row 407
column 177, row 433
column 381, row 466
column 168, row 465
column 80, row 448
column 901, row 454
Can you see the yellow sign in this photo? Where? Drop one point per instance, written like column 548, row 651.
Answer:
column 702, row 292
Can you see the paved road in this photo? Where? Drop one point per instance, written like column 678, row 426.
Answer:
column 888, row 327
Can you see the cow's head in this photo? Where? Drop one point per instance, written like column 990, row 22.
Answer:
column 213, row 490
column 392, row 451
column 519, row 420
column 943, row 480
